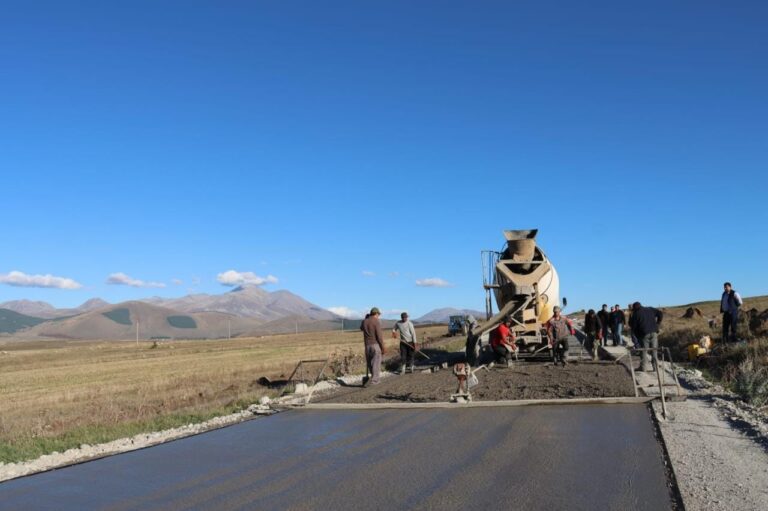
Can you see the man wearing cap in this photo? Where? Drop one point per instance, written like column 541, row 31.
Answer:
column 558, row 329
column 407, row 335
column 374, row 345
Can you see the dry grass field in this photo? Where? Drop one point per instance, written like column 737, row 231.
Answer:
column 55, row 395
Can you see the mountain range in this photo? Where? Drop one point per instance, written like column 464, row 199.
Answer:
column 243, row 311
column 47, row 311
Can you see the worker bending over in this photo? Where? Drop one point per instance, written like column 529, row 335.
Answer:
column 559, row 328
column 503, row 341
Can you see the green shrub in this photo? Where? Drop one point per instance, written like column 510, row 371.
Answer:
column 751, row 382
column 121, row 316
column 182, row 321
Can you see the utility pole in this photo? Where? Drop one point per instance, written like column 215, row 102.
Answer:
column 137, row 333
column 342, row 324
column 296, row 323
column 229, row 329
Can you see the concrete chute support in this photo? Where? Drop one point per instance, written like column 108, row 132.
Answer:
column 525, row 286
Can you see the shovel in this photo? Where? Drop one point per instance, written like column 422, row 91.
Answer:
column 417, row 351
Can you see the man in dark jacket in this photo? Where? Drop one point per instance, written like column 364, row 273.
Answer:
column 605, row 321
column 594, row 331
column 374, row 345
column 730, row 303
column 645, row 323
column 618, row 320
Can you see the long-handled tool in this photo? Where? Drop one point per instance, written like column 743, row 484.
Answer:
column 414, row 349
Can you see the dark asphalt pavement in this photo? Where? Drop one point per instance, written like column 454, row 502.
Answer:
column 552, row 457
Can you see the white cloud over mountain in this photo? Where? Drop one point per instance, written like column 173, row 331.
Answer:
column 346, row 312
column 236, row 278
column 367, row 273
column 121, row 279
column 433, row 282
column 21, row 279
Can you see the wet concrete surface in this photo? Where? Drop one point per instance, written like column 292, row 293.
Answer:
column 577, row 457
column 524, row 380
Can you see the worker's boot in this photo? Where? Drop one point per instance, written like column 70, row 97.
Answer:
column 402, row 369
column 411, row 368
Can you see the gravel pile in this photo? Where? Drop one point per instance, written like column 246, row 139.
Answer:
column 743, row 415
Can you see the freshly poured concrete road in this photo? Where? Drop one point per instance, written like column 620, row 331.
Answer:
column 529, row 458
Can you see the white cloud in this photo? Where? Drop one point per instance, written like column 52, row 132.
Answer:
column 21, row 279
column 121, row 279
column 346, row 312
column 433, row 282
column 236, row 278
column 394, row 274
column 177, row 282
column 367, row 273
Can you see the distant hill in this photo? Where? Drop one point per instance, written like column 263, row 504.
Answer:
column 119, row 321
column 45, row 310
column 291, row 324
column 250, row 302
column 442, row 315
column 12, row 321
column 31, row 308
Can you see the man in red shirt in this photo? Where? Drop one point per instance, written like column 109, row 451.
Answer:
column 503, row 341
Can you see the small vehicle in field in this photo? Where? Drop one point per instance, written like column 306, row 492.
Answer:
column 457, row 325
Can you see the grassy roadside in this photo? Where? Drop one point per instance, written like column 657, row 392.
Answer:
column 31, row 447
column 740, row 367
column 55, row 395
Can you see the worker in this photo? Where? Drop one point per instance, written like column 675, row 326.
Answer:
column 471, row 323
column 461, row 371
column 730, row 303
column 503, row 342
column 407, row 333
column 558, row 329
column 374, row 345
column 605, row 320
column 645, row 323
column 618, row 320
column 473, row 344
column 594, row 331
column 632, row 336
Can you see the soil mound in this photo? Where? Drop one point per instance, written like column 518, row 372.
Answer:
column 758, row 322
column 692, row 312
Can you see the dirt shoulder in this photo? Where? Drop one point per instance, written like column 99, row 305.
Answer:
column 525, row 380
column 719, row 464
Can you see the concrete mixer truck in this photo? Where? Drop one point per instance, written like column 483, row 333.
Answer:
column 525, row 286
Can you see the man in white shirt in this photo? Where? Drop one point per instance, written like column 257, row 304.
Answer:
column 407, row 341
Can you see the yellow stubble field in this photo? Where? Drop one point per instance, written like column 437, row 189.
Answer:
column 58, row 394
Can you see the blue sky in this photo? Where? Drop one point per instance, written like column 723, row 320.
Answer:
column 349, row 149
